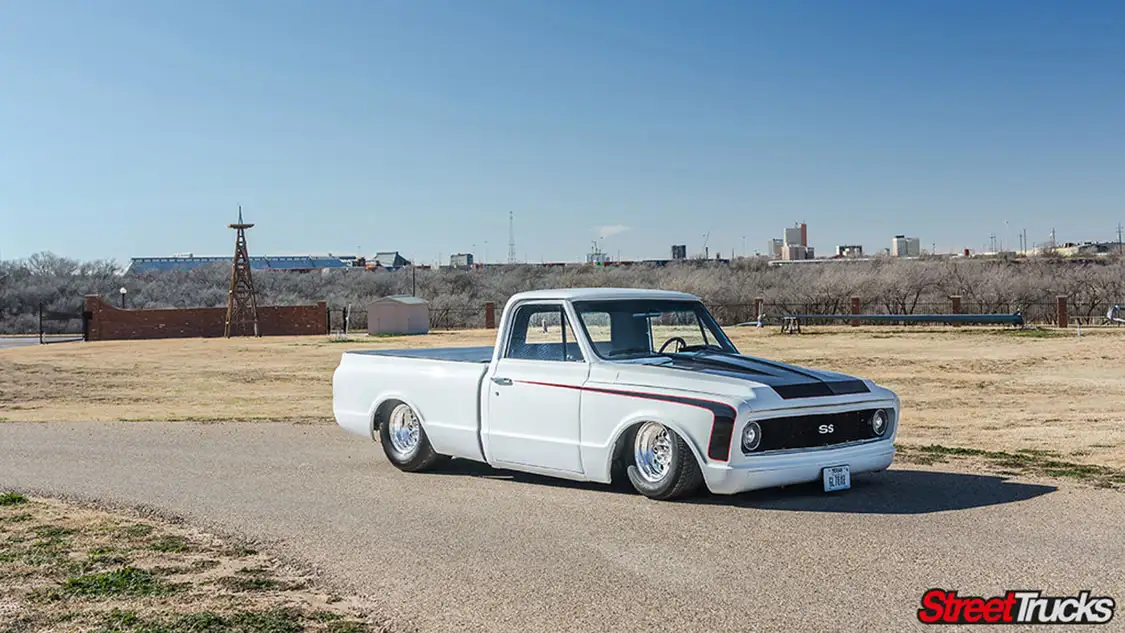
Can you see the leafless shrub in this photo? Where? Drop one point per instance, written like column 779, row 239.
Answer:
column 457, row 296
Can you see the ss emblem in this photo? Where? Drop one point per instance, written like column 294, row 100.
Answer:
column 826, row 428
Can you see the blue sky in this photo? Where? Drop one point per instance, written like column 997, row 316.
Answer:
column 132, row 128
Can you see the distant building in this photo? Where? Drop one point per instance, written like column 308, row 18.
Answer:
column 398, row 315
column 461, row 260
column 795, row 236
column 679, row 251
column 291, row 263
column 794, row 251
column 902, row 246
column 388, row 259
column 793, row 245
column 849, row 250
column 597, row 257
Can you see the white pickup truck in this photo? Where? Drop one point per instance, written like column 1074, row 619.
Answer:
column 596, row 384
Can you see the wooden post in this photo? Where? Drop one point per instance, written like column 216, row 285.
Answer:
column 956, row 308
column 490, row 315
column 856, row 307
column 1060, row 308
column 759, row 303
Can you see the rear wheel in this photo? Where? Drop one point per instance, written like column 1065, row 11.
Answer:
column 404, row 440
column 663, row 466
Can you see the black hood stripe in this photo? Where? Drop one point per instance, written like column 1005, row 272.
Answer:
column 722, row 425
column 787, row 381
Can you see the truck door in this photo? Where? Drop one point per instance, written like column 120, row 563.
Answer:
column 534, row 392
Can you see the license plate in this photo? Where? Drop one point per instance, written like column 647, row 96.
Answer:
column 837, row 478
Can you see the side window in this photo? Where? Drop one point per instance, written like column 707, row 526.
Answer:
column 542, row 332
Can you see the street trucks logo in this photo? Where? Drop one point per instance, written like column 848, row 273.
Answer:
column 1014, row 607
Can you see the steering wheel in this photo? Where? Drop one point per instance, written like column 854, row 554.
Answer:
column 682, row 344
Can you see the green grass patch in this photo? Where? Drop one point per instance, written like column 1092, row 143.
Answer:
column 127, row 581
column 1029, row 461
column 52, row 532
column 273, row 621
column 12, row 499
column 106, row 556
column 36, row 554
column 170, row 544
column 137, row 530
column 16, row 518
column 1036, row 333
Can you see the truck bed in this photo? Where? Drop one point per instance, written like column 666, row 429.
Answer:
column 454, row 354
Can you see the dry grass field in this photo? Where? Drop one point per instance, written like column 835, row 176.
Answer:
column 990, row 389
column 68, row 568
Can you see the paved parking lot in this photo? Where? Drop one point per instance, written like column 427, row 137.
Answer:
column 475, row 549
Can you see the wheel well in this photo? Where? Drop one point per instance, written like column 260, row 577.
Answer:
column 622, row 456
column 620, row 460
column 381, row 412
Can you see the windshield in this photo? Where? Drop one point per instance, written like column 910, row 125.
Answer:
column 643, row 328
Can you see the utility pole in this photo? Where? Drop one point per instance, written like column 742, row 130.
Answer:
column 511, row 240
column 1119, row 239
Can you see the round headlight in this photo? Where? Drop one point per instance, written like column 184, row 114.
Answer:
column 751, row 436
column 879, row 422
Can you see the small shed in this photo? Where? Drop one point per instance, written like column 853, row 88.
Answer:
column 398, row 314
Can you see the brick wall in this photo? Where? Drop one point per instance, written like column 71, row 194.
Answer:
column 109, row 323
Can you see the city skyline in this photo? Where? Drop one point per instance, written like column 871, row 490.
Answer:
column 355, row 127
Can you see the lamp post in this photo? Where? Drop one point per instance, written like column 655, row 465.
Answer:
column 123, row 291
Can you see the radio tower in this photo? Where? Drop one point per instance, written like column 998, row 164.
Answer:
column 511, row 241
column 242, row 304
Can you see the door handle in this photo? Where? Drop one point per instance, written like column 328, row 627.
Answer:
column 501, row 381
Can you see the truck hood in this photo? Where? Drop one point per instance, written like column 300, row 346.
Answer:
column 732, row 374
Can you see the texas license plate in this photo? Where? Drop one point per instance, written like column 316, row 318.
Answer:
column 837, row 478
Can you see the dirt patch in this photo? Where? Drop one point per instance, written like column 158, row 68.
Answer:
column 70, row 568
column 985, row 388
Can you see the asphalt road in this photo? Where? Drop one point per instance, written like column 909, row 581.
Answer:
column 473, row 549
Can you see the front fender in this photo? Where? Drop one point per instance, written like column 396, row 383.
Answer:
column 638, row 417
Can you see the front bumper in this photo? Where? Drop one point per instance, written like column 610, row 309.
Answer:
column 796, row 466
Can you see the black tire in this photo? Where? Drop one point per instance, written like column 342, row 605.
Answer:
column 682, row 476
column 421, row 456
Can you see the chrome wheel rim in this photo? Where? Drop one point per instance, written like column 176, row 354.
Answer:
column 404, row 431
column 652, row 452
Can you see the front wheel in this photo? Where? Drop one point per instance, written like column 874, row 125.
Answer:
column 663, row 466
column 404, row 440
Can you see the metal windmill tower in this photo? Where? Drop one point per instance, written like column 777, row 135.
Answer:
column 242, row 302
column 511, row 241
